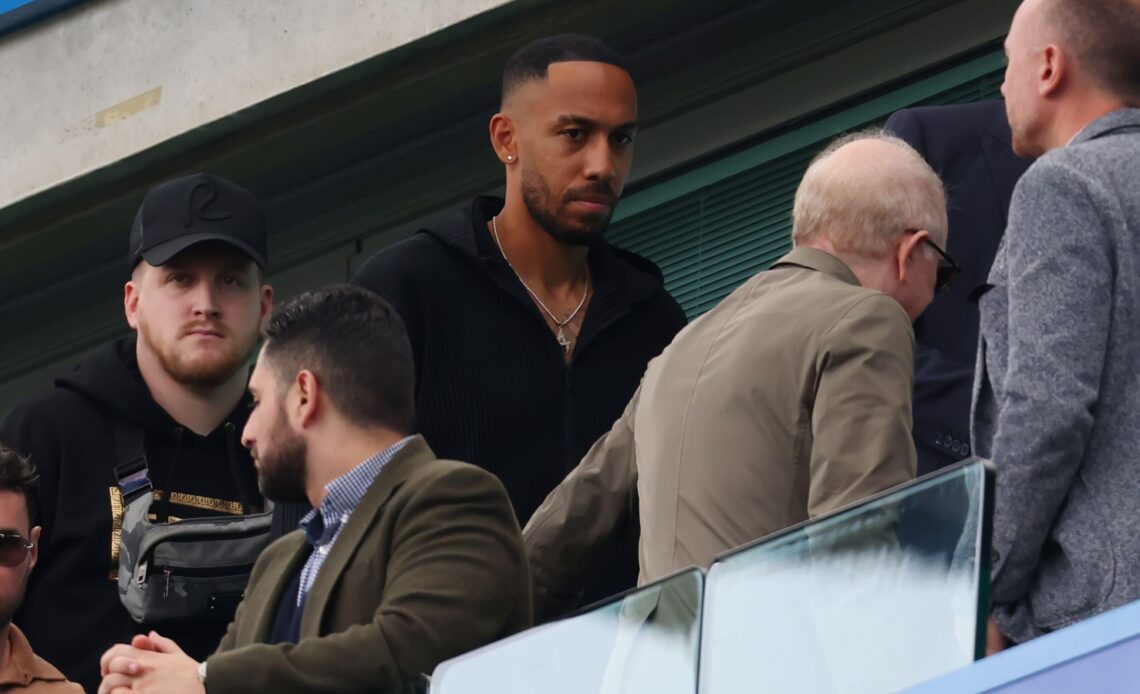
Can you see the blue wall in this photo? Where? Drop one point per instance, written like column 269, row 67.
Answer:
column 17, row 14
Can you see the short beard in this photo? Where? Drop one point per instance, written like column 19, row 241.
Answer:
column 540, row 202
column 200, row 374
column 8, row 610
column 281, row 475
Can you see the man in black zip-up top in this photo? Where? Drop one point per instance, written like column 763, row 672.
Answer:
column 196, row 299
column 530, row 333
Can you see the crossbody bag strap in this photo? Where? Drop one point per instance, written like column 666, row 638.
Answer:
column 131, row 472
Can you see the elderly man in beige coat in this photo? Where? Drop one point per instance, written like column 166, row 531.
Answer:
column 790, row 399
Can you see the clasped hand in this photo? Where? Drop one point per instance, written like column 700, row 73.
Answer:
column 151, row 663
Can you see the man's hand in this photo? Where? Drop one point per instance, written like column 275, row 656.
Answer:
column 152, row 663
column 995, row 640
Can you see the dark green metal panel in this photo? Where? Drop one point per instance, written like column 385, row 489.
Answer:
column 712, row 228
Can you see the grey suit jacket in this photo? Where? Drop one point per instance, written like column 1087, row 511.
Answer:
column 1057, row 392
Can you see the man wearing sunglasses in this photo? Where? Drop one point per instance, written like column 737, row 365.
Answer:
column 790, row 399
column 947, row 268
column 20, row 668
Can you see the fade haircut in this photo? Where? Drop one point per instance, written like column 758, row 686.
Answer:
column 17, row 474
column 532, row 60
column 862, row 212
column 355, row 344
column 1104, row 38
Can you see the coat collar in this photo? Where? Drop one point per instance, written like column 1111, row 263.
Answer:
column 1005, row 167
column 998, row 126
column 820, row 261
column 1120, row 119
column 24, row 666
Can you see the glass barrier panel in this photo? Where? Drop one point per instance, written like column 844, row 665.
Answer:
column 644, row 641
column 873, row 598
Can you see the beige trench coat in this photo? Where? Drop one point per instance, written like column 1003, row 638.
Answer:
column 790, row 399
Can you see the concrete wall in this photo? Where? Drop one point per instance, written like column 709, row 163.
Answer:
column 115, row 77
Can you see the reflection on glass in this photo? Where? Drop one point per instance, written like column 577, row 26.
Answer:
column 646, row 641
column 872, row 599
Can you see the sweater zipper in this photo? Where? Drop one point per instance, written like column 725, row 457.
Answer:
column 568, row 422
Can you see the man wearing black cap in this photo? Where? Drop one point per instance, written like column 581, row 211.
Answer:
column 196, row 299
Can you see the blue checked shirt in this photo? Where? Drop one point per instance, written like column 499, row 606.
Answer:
column 322, row 526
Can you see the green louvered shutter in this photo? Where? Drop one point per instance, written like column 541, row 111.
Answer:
column 709, row 240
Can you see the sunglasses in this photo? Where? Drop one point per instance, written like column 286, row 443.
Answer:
column 948, row 268
column 14, row 549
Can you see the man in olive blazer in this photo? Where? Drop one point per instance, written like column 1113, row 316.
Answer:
column 790, row 399
column 428, row 567
column 405, row 561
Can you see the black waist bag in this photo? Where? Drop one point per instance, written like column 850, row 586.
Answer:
column 194, row 569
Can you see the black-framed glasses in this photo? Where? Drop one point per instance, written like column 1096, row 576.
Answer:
column 948, row 268
column 14, row 548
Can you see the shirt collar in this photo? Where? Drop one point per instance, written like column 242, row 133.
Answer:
column 821, row 261
column 343, row 494
column 23, row 665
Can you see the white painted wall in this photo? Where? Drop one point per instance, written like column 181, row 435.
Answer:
column 115, row 77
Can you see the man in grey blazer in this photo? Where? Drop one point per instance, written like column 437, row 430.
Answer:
column 1057, row 392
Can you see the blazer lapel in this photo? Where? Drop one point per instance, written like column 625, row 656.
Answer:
column 416, row 452
column 278, row 574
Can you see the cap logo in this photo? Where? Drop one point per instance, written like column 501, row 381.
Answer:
column 200, row 205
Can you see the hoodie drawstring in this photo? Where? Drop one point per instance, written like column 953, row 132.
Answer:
column 243, row 493
column 162, row 511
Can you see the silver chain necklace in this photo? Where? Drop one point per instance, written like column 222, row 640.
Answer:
column 561, row 324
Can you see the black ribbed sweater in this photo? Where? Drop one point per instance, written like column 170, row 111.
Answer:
column 492, row 386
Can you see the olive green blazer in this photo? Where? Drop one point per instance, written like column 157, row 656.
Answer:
column 429, row 566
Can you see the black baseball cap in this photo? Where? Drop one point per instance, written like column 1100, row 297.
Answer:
column 185, row 211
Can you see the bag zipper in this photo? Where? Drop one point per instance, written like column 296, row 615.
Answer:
column 194, row 572
column 188, row 537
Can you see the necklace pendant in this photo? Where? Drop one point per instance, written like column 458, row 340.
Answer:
column 563, row 340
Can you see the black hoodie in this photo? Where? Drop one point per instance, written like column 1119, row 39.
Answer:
column 71, row 613
column 492, row 384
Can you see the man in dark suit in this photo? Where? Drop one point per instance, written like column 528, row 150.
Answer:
column 405, row 561
column 968, row 145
